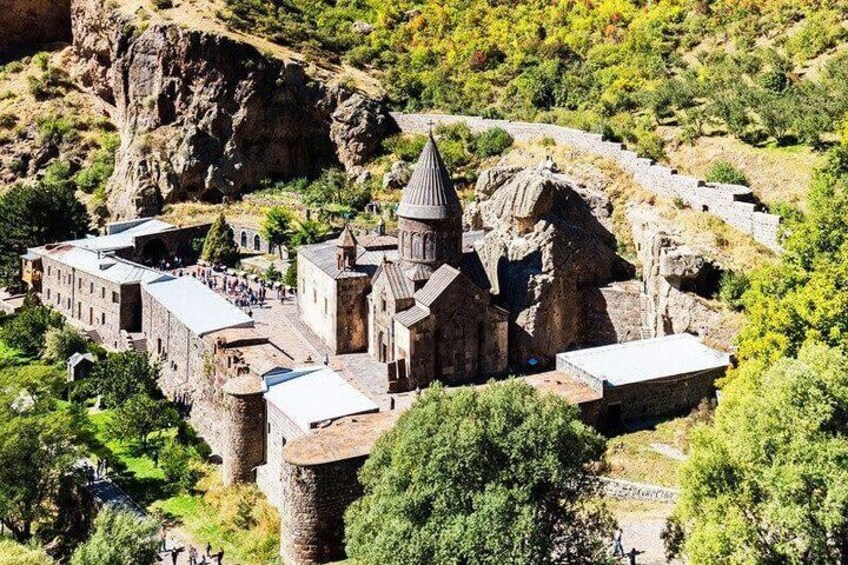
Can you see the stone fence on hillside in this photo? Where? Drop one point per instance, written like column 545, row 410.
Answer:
column 732, row 203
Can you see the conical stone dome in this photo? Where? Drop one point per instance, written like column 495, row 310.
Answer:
column 430, row 194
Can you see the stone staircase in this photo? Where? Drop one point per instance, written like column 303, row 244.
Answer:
column 135, row 342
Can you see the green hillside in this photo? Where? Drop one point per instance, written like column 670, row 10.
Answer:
column 763, row 71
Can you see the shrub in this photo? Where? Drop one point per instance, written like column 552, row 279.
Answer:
column 493, row 141
column 723, row 172
column 55, row 129
column 95, row 177
column 61, row 343
column 220, row 247
column 120, row 537
column 732, row 287
column 8, row 121
column 27, row 330
column 406, row 147
column 163, row 4
column 179, row 463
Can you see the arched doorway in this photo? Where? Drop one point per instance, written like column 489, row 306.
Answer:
column 244, row 239
column 154, row 252
column 257, row 242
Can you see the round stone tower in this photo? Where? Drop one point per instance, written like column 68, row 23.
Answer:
column 244, row 440
column 430, row 216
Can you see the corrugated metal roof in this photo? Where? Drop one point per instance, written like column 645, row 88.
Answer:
column 647, row 359
column 315, row 395
column 197, row 306
column 123, row 239
column 430, row 194
column 437, row 284
column 106, row 267
column 409, row 318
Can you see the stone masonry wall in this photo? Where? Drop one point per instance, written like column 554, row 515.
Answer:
column 729, row 202
column 315, row 499
column 612, row 313
column 280, row 430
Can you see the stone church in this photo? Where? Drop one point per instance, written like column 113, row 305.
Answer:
column 425, row 312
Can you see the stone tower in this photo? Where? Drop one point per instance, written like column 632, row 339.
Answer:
column 346, row 249
column 430, row 216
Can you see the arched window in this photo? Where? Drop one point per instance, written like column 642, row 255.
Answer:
column 429, row 247
column 257, row 243
column 417, row 252
column 244, row 239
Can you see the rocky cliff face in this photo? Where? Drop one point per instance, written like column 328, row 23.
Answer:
column 28, row 22
column 205, row 117
column 674, row 274
column 545, row 243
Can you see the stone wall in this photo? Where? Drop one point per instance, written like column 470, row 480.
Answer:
column 244, row 436
column 91, row 302
column 612, row 313
column 628, row 490
column 187, row 371
column 251, row 240
column 733, row 204
column 280, row 430
column 312, row 516
column 316, row 301
column 25, row 22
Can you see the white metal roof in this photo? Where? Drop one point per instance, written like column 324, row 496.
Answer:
column 196, row 305
column 313, row 395
column 122, row 239
column 105, row 267
column 647, row 359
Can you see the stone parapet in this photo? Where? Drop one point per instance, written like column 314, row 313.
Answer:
column 731, row 203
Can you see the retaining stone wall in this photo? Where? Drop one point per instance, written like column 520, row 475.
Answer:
column 627, row 490
column 731, row 203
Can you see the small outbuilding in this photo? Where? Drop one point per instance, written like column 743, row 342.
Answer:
column 79, row 366
column 647, row 378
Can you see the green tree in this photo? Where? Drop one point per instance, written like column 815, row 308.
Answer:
column 139, row 416
column 12, row 553
column 493, row 141
column 220, row 246
column 766, row 483
column 178, row 462
column 119, row 538
column 498, row 475
column 39, row 444
column 33, row 216
column 61, row 343
column 27, row 330
column 121, row 376
column 278, row 226
column 290, row 278
column 308, row 232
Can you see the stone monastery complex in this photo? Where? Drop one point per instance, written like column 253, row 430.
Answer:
column 294, row 396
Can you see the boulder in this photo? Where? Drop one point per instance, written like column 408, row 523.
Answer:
column 27, row 22
column 398, row 175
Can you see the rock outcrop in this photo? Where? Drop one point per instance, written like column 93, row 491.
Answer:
column 28, row 22
column 676, row 279
column 206, row 117
column 543, row 245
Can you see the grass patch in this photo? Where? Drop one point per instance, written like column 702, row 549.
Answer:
column 10, row 356
column 236, row 519
column 630, row 456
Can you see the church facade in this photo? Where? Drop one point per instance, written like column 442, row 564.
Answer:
column 423, row 311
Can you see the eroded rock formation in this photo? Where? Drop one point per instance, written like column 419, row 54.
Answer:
column 544, row 244
column 675, row 278
column 205, row 117
column 28, row 22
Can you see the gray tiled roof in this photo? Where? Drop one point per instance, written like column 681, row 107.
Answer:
column 430, row 194
column 323, row 256
column 400, row 287
column 409, row 318
column 437, row 284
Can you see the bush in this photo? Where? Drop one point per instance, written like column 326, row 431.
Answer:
column 723, row 172
column 61, row 343
column 220, row 247
column 732, row 287
column 406, row 147
column 12, row 553
column 179, row 464
column 27, row 330
column 493, row 141
column 120, row 537
column 94, row 177
column 55, row 129
column 163, row 4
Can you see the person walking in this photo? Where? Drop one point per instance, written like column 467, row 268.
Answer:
column 192, row 555
column 175, row 554
column 220, row 556
column 617, row 547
